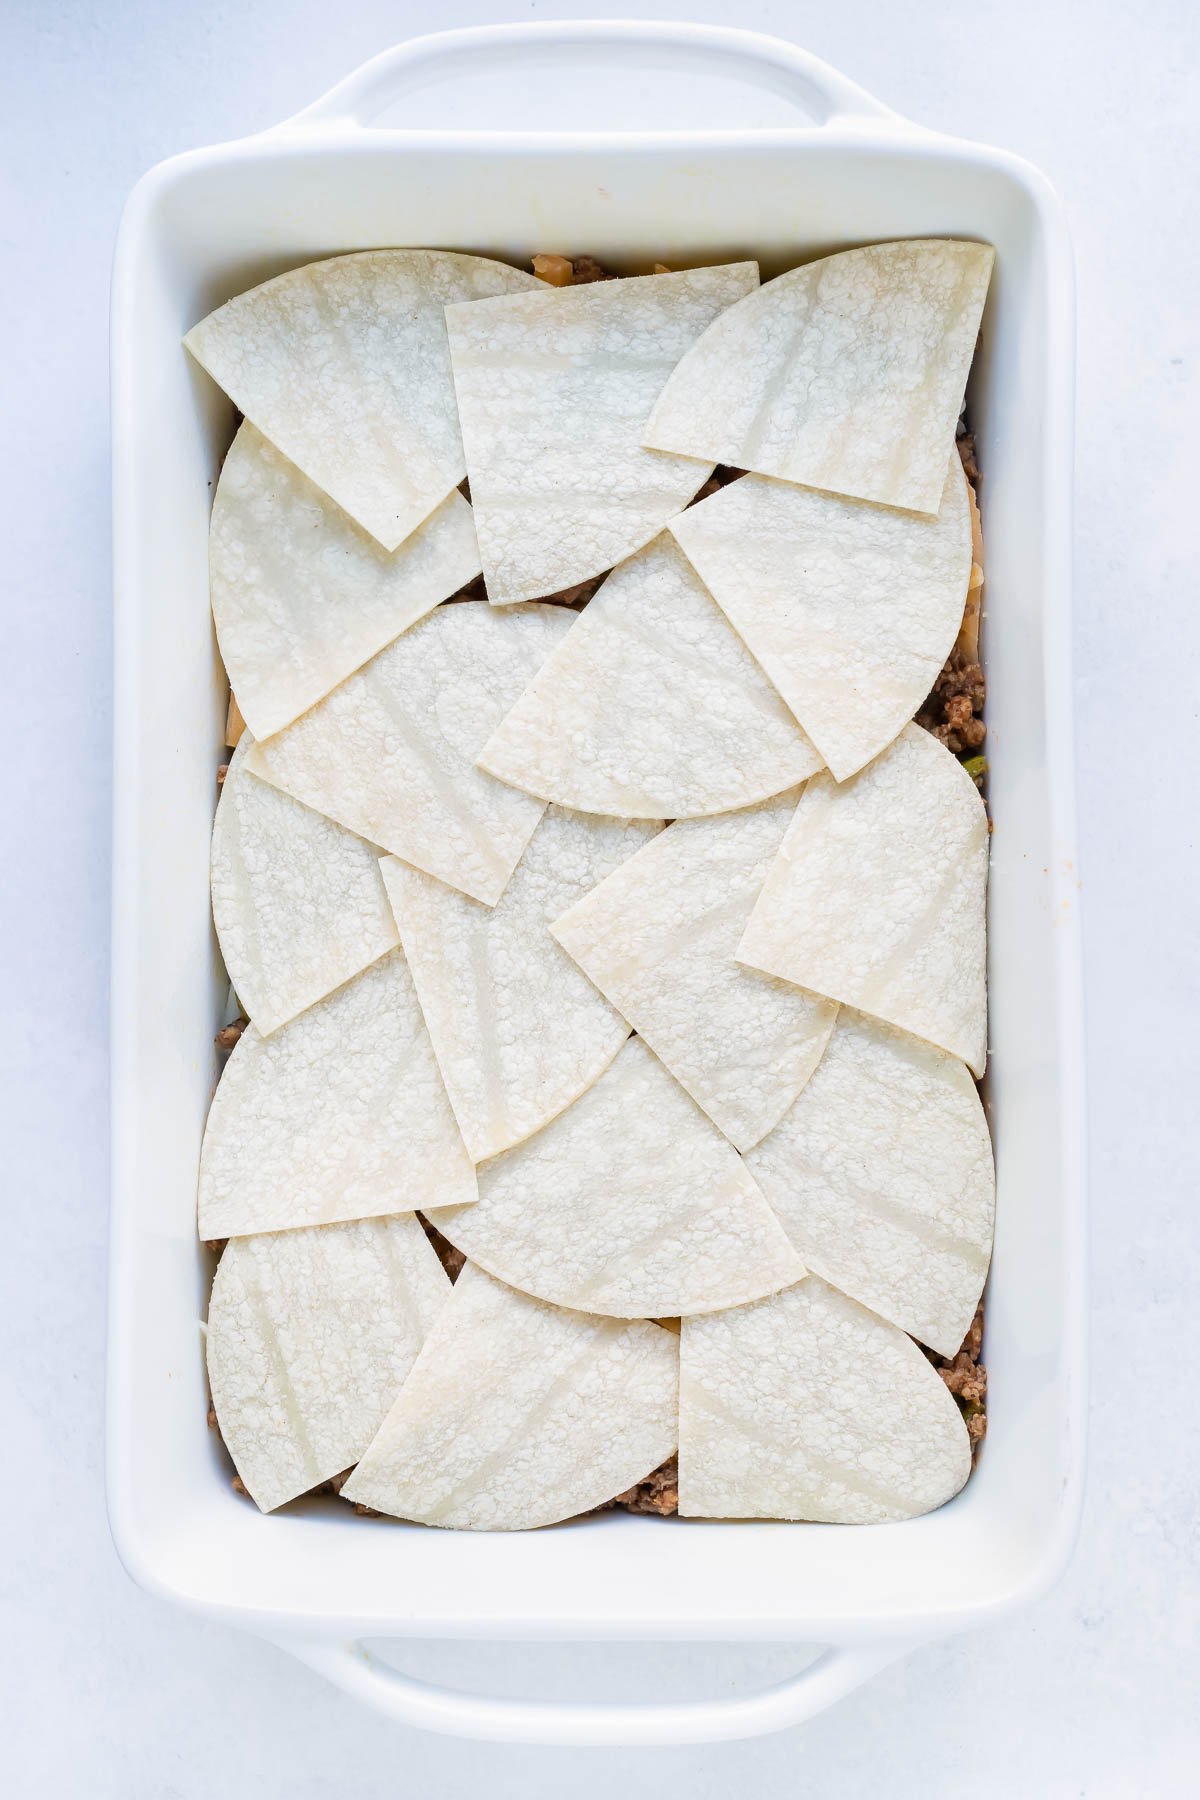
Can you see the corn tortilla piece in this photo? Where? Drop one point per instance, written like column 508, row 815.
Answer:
column 877, row 896
column 341, row 1114
column 652, row 707
column 881, row 1174
column 807, row 1406
column 298, row 903
column 301, row 595
column 391, row 752
column 630, row 1203
column 847, row 374
column 344, row 366
column 518, row 1414
column 553, row 390
column 658, row 937
column 850, row 609
column 518, row 1031
column 310, row 1336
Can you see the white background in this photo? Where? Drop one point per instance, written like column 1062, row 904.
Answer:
column 105, row 1692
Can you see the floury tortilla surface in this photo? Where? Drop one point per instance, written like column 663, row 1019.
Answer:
column 850, row 609
column 310, row 1337
column 298, row 902
column 846, row 374
column 659, row 937
column 518, row 1031
column 518, row 1414
column 301, row 595
column 881, row 1175
column 340, row 1114
column 344, row 366
column 553, row 391
column 630, row 1203
column 391, row 752
column 907, row 838
column 651, row 707
column 807, row 1406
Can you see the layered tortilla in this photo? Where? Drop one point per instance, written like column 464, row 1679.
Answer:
column 553, row 391
column 344, row 366
column 519, row 1414
column 651, row 707
column 846, row 374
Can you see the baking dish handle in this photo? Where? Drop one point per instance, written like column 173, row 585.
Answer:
column 837, row 1671
column 819, row 92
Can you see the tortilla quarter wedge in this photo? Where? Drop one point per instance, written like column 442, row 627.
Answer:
column 340, row 1114
column 310, row 1336
column 297, row 901
column 846, row 374
column 630, row 1204
column 553, row 391
column 651, row 707
column 519, row 1032
column 881, row 1174
column 658, row 937
column 807, row 1406
column 877, row 896
column 301, row 595
column 518, row 1414
column 391, row 752
column 344, row 366
column 850, row 609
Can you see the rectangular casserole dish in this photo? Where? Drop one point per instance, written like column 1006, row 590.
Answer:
column 341, row 176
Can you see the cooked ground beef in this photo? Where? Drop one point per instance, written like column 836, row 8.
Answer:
column 451, row 1259
column 953, row 709
column 659, row 1493
column 966, row 1377
column 586, row 268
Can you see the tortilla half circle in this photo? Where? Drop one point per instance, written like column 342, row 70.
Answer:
column 851, row 610
column 553, row 391
column 846, row 374
column 341, row 1114
column 630, row 1203
column 391, row 752
column 344, row 366
column 518, row 1031
column 651, row 707
column 301, row 595
column 310, row 1337
column 807, row 1406
column 877, row 896
column 298, row 902
column 658, row 937
column 518, row 1414
column 881, row 1174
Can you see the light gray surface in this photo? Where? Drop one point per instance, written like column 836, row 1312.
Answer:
column 109, row 1694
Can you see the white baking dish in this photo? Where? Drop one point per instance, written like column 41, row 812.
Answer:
column 204, row 226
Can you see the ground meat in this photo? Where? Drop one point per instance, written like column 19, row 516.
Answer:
column 952, row 711
column 588, row 269
column 721, row 476
column 228, row 1035
column 966, row 451
column 659, row 1493
column 451, row 1259
column 966, row 1377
